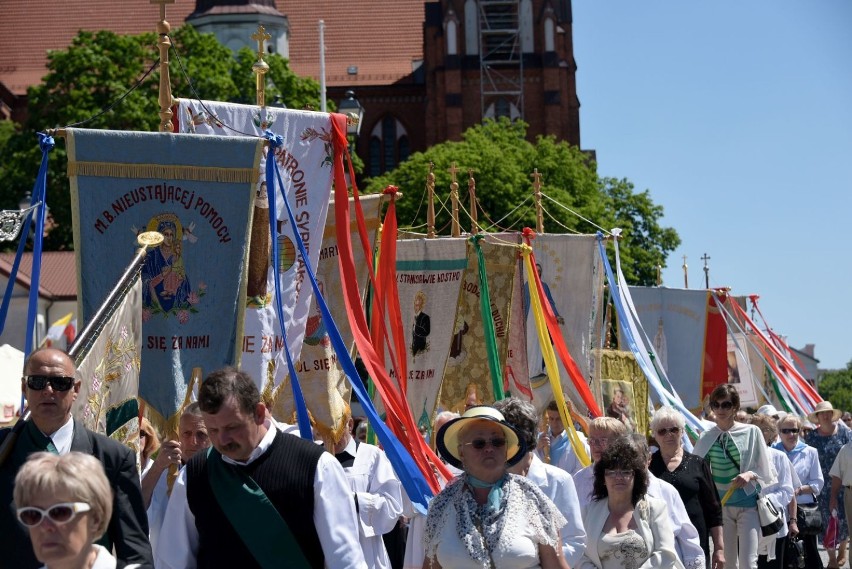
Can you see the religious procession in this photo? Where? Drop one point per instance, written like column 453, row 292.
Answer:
column 271, row 373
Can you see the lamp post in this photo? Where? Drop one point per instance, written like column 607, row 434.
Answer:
column 351, row 107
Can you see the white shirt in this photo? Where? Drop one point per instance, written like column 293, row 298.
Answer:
column 806, row 467
column 379, row 491
column 559, row 487
column 687, row 545
column 584, row 482
column 157, row 509
column 63, row 437
column 333, row 516
column 105, row 560
column 568, row 461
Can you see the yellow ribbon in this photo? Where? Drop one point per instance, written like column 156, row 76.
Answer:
column 727, row 495
column 550, row 360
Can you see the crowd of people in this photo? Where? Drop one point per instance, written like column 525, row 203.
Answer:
column 233, row 487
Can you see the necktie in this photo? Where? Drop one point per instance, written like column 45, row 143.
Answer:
column 51, row 448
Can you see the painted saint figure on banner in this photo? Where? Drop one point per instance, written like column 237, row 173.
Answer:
column 166, row 287
column 422, row 325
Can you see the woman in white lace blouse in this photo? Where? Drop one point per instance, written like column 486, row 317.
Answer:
column 487, row 517
column 625, row 528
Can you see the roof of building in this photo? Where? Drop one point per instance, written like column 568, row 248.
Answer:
column 382, row 46
column 58, row 280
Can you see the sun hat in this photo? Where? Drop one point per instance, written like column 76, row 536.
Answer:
column 824, row 406
column 448, row 436
column 768, row 410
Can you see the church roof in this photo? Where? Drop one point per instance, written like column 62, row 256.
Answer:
column 381, row 45
column 58, row 278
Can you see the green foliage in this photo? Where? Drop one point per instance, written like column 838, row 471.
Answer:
column 95, row 71
column 836, row 386
column 502, row 160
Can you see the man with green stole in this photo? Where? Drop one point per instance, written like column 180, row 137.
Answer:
column 51, row 388
column 259, row 497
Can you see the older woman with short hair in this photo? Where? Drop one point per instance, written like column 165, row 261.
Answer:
column 691, row 477
column 487, row 517
column 65, row 501
column 805, row 461
column 625, row 527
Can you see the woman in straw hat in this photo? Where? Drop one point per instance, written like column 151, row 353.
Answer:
column 487, row 517
column 828, row 439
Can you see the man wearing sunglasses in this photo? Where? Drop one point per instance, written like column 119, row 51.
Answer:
column 50, row 387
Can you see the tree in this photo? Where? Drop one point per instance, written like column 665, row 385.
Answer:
column 502, row 160
column 95, row 71
column 836, row 386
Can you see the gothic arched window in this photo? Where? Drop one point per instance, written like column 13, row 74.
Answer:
column 389, row 145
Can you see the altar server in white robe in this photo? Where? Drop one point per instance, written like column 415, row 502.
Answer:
column 377, row 492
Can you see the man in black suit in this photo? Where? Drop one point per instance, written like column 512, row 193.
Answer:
column 422, row 325
column 50, row 387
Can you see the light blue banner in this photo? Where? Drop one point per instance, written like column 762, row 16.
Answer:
column 198, row 191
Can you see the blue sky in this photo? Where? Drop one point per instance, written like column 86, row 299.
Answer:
column 737, row 116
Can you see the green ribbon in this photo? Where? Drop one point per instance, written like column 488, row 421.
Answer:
column 261, row 527
column 488, row 323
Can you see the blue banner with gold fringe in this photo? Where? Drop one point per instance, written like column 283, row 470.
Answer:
column 198, row 191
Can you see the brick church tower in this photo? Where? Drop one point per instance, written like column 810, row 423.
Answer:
column 492, row 58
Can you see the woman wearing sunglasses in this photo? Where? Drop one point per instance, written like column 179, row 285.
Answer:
column 690, row 475
column 65, row 502
column 740, row 465
column 487, row 517
column 624, row 527
column 805, row 461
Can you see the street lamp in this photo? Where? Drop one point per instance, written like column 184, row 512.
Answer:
column 351, row 107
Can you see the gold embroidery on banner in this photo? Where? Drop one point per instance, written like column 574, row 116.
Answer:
column 163, row 171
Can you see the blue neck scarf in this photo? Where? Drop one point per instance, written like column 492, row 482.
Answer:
column 558, row 446
column 800, row 446
column 495, row 495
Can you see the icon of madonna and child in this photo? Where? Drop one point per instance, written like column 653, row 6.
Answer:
column 166, row 288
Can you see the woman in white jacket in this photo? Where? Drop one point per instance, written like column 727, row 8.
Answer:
column 625, row 528
column 740, row 464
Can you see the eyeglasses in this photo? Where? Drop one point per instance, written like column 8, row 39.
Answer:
column 58, row 513
column 726, row 405
column 790, row 431
column 602, row 442
column 669, row 431
column 623, row 474
column 480, row 444
column 57, row 383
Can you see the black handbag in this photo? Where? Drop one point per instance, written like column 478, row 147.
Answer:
column 794, row 554
column 809, row 519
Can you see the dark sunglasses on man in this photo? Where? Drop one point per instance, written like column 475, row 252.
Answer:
column 57, row 383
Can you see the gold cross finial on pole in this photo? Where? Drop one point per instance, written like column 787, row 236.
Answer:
column 165, row 98
column 471, row 190
column 454, row 196
column 706, row 258
column 260, row 66
column 685, row 273
column 430, row 192
column 539, row 217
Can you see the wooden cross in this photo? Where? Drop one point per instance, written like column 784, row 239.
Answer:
column 536, row 180
column 162, row 4
column 453, row 171
column 260, row 36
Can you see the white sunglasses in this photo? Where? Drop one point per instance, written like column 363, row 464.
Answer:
column 59, row 514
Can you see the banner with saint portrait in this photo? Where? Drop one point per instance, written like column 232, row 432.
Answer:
column 198, row 192
column 428, row 279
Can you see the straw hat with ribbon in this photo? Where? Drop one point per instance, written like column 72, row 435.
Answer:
column 448, row 436
column 824, row 406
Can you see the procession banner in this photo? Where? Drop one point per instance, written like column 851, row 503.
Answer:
column 624, row 389
column 467, row 377
column 109, row 373
column 322, row 379
column 429, row 277
column 572, row 278
column 675, row 321
column 305, row 162
column 198, row 192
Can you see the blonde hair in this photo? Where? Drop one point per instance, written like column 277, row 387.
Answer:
column 791, row 418
column 79, row 475
column 609, row 424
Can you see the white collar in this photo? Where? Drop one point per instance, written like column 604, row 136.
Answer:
column 351, row 447
column 262, row 446
column 63, row 436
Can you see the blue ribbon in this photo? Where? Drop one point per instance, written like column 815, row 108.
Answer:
column 410, row 476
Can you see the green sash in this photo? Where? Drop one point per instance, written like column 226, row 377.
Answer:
column 258, row 523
